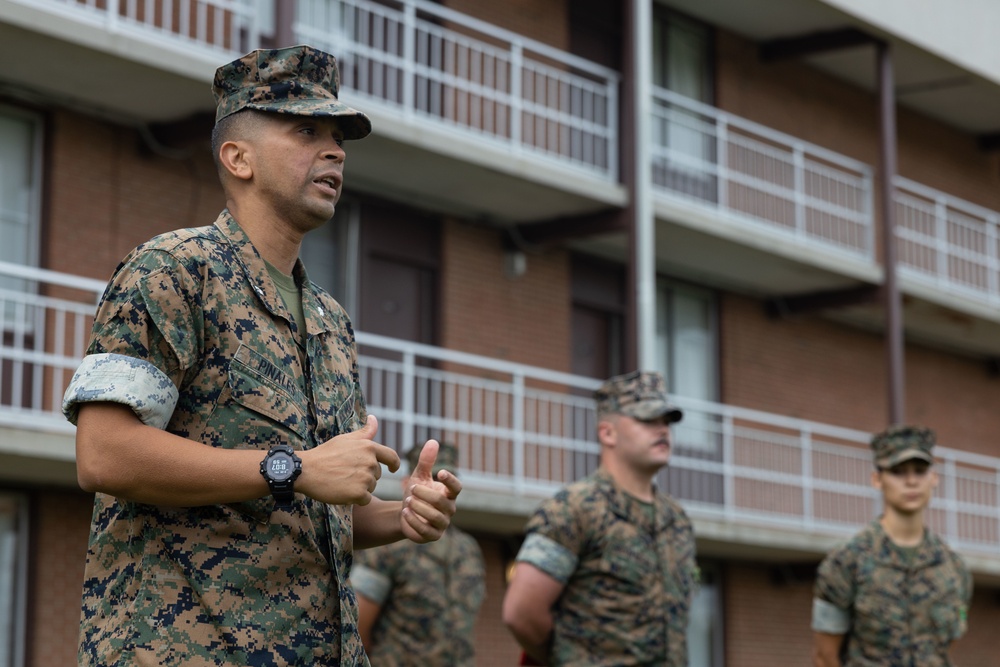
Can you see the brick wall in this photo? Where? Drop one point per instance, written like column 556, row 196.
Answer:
column 494, row 643
column 542, row 20
column 60, row 525
column 524, row 319
column 106, row 195
column 813, row 368
column 792, row 97
column 766, row 620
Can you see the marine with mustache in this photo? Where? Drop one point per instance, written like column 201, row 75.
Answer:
column 607, row 570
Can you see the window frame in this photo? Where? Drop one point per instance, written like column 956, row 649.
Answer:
column 18, row 606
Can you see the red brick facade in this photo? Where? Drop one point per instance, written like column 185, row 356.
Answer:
column 105, row 193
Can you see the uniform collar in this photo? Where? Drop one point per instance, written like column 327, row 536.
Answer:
column 629, row 508
column 256, row 272
column 928, row 553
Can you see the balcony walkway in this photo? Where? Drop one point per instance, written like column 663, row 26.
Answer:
column 431, row 64
column 524, row 431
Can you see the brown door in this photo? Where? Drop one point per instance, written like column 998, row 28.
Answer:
column 399, row 269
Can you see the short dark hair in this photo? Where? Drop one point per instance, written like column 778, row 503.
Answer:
column 238, row 125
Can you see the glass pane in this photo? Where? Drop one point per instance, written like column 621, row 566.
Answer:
column 16, row 195
column 330, row 255
column 703, row 624
column 18, row 202
column 687, row 60
column 11, row 572
column 686, row 355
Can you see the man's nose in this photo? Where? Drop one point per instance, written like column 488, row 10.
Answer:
column 334, row 152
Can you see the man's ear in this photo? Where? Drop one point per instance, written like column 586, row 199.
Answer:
column 877, row 479
column 606, row 433
column 236, row 159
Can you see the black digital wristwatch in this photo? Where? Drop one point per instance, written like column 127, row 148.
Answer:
column 280, row 468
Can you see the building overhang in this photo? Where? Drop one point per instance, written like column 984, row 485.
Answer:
column 955, row 89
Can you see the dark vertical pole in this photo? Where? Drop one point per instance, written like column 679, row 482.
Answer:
column 626, row 147
column 890, row 289
column 284, row 19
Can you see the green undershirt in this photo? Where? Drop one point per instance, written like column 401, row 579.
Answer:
column 291, row 294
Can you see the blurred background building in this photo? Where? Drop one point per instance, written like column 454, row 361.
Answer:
column 789, row 207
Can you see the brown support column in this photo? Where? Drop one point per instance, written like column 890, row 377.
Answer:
column 284, row 18
column 890, row 289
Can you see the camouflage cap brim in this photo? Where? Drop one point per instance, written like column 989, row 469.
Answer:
column 647, row 410
column 353, row 123
column 902, row 456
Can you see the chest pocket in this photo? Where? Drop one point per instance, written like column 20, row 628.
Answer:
column 264, row 396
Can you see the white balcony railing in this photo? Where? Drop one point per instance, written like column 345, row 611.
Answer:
column 946, row 243
column 526, row 431
column 436, row 64
column 46, row 319
column 429, row 62
column 216, row 26
column 760, row 176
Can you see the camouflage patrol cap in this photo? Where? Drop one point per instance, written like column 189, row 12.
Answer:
column 902, row 443
column 639, row 394
column 297, row 80
column 447, row 458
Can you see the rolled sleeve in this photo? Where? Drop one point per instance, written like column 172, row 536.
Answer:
column 117, row 378
column 829, row 618
column 548, row 556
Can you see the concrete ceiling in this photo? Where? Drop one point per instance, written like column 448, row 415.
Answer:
column 924, row 82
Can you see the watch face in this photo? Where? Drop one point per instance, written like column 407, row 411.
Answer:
column 280, row 467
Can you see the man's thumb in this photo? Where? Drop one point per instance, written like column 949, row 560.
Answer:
column 425, row 464
column 369, row 428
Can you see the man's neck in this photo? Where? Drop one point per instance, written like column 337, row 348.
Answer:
column 635, row 483
column 905, row 530
column 273, row 241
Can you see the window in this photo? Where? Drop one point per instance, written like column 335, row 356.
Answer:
column 704, row 633
column 684, row 139
column 20, row 196
column 330, row 255
column 13, row 578
column 687, row 355
column 598, row 293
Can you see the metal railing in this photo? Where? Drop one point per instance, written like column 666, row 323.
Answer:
column 440, row 65
column 947, row 243
column 226, row 26
column 760, row 176
column 46, row 319
column 527, row 431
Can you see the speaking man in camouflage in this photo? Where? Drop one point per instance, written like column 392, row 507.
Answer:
column 418, row 602
column 607, row 570
column 220, row 415
column 895, row 595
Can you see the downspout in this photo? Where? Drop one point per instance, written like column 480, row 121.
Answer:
column 642, row 235
column 890, row 288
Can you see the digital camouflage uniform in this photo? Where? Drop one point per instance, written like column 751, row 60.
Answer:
column 629, row 580
column 429, row 594
column 628, row 567
column 895, row 609
column 192, row 333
